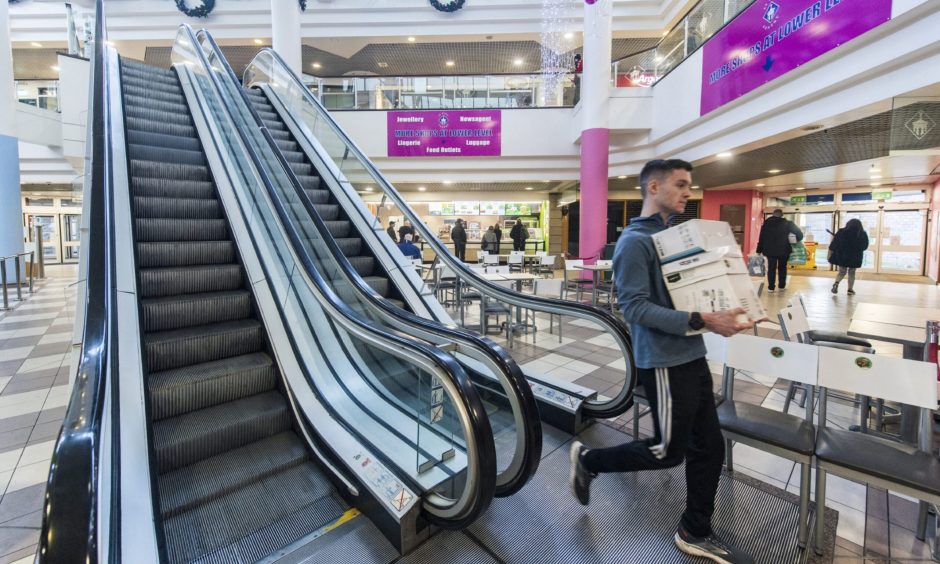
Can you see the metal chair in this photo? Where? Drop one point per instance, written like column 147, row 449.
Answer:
column 547, row 288
column 607, row 288
column 574, row 279
column 545, row 266
column 516, row 261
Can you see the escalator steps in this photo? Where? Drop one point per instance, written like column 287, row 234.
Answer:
column 235, row 482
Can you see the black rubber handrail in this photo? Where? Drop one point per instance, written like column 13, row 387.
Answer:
column 467, row 397
column 70, row 521
column 532, row 427
column 615, row 326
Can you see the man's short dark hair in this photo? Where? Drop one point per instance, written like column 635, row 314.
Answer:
column 778, row 212
column 656, row 170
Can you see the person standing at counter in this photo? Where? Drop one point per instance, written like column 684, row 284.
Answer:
column 499, row 236
column 489, row 241
column 391, row 231
column 406, row 229
column 459, row 236
column 518, row 234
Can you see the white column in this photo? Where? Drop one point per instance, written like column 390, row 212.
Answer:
column 11, row 205
column 595, row 79
column 285, row 32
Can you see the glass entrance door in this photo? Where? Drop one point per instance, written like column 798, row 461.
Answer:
column 51, row 252
column 71, row 230
column 817, row 226
column 896, row 239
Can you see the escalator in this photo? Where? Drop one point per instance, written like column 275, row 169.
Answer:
column 220, row 414
column 286, row 105
column 227, row 456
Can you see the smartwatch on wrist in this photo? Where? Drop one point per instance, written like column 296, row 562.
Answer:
column 696, row 323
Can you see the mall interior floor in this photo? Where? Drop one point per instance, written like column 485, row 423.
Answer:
column 35, row 376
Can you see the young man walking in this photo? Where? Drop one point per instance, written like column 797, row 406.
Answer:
column 774, row 243
column 671, row 367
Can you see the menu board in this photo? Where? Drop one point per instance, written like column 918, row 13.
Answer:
column 514, row 208
column 441, row 208
column 467, row 208
column 492, row 208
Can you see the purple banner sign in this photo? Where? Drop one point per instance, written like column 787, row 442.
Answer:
column 444, row 133
column 772, row 37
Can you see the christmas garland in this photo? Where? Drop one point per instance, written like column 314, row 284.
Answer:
column 449, row 7
column 200, row 12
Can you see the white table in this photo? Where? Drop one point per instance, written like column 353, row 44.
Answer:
column 595, row 270
column 902, row 325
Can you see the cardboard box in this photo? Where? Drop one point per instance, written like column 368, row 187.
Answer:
column 712, row 281
column 693, row 237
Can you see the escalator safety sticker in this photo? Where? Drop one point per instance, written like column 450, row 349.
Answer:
column 437, row 413
column 401, row 499
column 384, row 483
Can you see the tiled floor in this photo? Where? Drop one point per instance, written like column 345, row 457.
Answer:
column 35, row 338
column 34, row 390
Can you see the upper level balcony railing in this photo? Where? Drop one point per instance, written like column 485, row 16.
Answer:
column 510, row 91
column 703, row 21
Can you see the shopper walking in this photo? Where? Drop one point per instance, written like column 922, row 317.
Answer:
column 391, row 231
column 499, row 236
column 672, row 368
column 774, row 243
column 518, row 234
column 459, row 236
column 847, row 251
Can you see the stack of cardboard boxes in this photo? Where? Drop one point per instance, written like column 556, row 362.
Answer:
column 704, row 269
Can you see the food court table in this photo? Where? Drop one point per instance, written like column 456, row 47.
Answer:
column 596, row 270
column 902, row 325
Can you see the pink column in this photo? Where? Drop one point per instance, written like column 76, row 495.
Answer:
column 593, row 226
column 595, row 133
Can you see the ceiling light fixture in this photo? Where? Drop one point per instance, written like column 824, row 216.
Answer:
column 448, row 182
column 368, row 188
column 801, row 188
column 774, row 171
column 622, row 176
column 724, row 155
column 695, row 187
column 528, row 188
column 517, row 62
column 422, row 188
column 569, row 35
column 259, row 42
column 636, row 187
column 449, row 63
column 316, row 65
column 55, row 68
column 761, row 185
column 411, row 40
column 876, row 177
column 34, row 44
column 876, row 184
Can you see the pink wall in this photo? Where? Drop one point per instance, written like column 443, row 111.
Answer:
column 933, row 238
column 712, row 200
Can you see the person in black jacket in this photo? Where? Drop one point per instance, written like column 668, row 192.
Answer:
column 847, row 251
column 406, row 229
column 499, row 236
column 391, row 231
column 459, row 236
column 774, row 243
column 518, row 234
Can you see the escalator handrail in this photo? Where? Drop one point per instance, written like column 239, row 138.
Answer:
column 498, row 356
column 480, row 446
column 606, row 319
column 70, row 522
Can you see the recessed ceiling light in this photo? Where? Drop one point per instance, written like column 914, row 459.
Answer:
column 761, row 185
column 622, row 176
column 724, row 155
column 382, row 64
column 259, row 42
column 368, row 188
column 448, row 182
column 569, row 35
column 773, row 171
column 695, row 187
column 34, row 44
column 411, row 40
column 528, row 188
column 546, row 181
column 449, row 63
column 316, row 65
column 876, row 177
column 636, row 187
column 422, row 188
column 665, row 33
column 517, row 62
column 876, row 184
column 801, row 188
column 55, row 68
